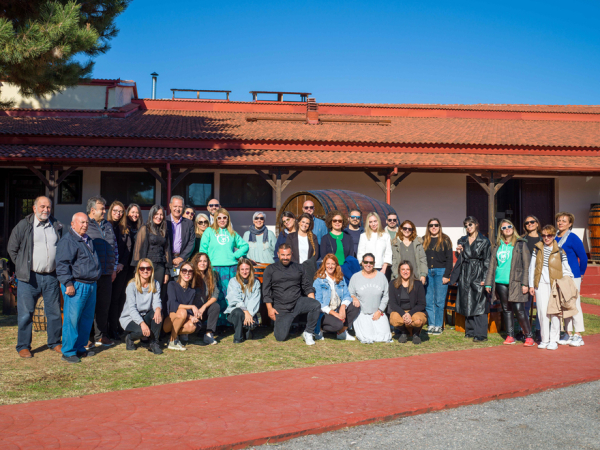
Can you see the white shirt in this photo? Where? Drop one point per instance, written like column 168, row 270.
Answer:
column 303, row 248
column 44, row 247
column 380, row 246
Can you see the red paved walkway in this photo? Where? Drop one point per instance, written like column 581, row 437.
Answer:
column 249, row 409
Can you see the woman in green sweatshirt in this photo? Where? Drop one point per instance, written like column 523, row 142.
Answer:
column 224, row 247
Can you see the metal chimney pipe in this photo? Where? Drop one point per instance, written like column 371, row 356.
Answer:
column 154, row 75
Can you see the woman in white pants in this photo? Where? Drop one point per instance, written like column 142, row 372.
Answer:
column 548, row 263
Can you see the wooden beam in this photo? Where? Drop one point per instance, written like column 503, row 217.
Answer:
column 41, row 176
column 65, row 174
column 180, row 178
column 155, row 174
column 481, row 182
column 400, row 179
column 265, row 177
column 491, row 208
column 502, row 182
column 377, row 181
column 290, row 179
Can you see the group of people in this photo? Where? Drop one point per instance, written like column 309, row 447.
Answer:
column 181, row 272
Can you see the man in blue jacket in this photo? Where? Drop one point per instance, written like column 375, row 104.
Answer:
column 78, row 270
column 355, row 228
column 319, row 227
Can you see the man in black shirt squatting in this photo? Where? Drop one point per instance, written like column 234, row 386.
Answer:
column 288, row 292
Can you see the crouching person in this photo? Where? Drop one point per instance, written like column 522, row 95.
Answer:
column 407, row 304
column 142, row 315
column 243, row 298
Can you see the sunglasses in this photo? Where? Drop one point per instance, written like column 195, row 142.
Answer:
column 259, row 218
column 434, row 225
column 547, row 236
column 309, row 207
column 203, row 222
column 507, row 227
column 214, row 205
column 289, row 219
column 222, row 218
column 337, row 221
column 407, row 229
column 186, row 271
column 392, row 220
column 145, row 269
column 368, row 263
column 529, row 222
column 355, row 217
column 189, row 213
column 468, row 225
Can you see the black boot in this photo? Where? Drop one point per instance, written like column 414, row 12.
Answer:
column 403, row 338
column 416, row 335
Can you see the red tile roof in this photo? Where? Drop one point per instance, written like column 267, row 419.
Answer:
column 20, row 154
column 156, row 124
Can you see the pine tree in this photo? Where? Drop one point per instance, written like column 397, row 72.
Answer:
column 43, row 43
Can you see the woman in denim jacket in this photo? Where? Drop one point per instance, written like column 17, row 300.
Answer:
column 331, row 291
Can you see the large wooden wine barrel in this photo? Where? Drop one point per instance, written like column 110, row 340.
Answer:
column 594, row 231
column 326, row 200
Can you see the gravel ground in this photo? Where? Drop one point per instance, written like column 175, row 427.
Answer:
column 562, row 419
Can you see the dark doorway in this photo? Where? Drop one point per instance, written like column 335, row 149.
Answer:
column 517, row 199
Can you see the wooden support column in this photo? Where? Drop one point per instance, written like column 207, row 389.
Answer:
column 278, row 184
column 168, row 187
column 52, row 182
column 491, row 187
column 389, row 185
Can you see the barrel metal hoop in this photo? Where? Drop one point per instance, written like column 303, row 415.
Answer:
column 336, row 192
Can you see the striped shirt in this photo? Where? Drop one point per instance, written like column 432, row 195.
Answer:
column 548, row 251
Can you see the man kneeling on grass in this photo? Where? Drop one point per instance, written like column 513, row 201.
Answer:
column 288, row 292
column 142, row 314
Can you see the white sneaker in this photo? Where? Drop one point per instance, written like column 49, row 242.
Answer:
column 577, row 341
column 176, row 345
column 552, row 346
column 319, row 336
column 543, row 345
column 566, row 339
column 345, row 336
column 209, row 340
column 308, row 338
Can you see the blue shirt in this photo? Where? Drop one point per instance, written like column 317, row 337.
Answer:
column 319, row 229
column 576, row 256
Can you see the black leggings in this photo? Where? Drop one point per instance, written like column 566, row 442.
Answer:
column 333, row 324
column 508, row 308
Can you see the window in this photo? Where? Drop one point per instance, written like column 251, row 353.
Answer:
column 241, row 190
column 196, row 189
column 128, row 187
column 69, row 191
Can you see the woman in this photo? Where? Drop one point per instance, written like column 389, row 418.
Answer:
column 134, row 223
column 201, row 224
column 532, row 231
column 261, row 241
column 183, row 316
column 118, row 220
column 376, row 240
column 339, row 312
column 288, row 225
column 151, row 242
column 142, row 313
column 224, row 247
column 406, row 307
column 207, row 293
column 548, row 263
column 305, row 246
column 337, row 241
column 508, row 278
column 243, row 298
column 406, row 246
column 189, row 212
column 470, row 270
column 370, row 290
column 438, row 251
column 573, row 248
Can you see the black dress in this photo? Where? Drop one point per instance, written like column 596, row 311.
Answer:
column 471, row 297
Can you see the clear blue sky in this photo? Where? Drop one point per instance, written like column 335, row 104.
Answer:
column 535, row 52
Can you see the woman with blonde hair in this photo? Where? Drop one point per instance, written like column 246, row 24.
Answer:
column 377, row 241
column 201, row 223
column 142, row 315
column 508, row 277
column 243, row 298
column 407, row 246
column 224, row 247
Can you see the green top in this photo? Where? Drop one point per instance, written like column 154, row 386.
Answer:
column 504, row 257
column 339, row 247
column 220, row 248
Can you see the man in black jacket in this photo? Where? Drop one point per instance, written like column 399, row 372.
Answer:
column 105, row 243
column 288, row 292
column 78, row 269
column 32, row 248
column 181, row 232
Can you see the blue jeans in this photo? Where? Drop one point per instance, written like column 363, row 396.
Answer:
column 79, row 317
column 435, row 296
column 47, row 286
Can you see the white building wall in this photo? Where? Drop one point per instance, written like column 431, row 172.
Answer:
column 576, row 195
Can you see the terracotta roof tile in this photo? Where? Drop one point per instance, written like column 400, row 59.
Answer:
column 234, row 126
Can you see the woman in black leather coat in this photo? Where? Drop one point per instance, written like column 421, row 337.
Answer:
column 470, row 271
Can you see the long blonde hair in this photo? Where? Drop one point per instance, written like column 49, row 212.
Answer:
column 138, row 280
column 513, row 239
column 197, row 227
column 368, row 230
column 215, row 225
column 245, row 287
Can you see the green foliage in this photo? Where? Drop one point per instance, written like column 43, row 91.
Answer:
column 43, row 41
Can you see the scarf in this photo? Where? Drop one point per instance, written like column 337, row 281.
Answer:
column 256, row 231
column 564, row 238
column 335, row 301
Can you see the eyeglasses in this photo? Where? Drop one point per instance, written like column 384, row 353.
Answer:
column 468, row 225
column 355, row 217
column 392, row 220
column 434, row 225
column 529, row 222
column 368, row 263
column 213, row 205
column 187, row 271
column 145, row 269
column 507, row 227
column 203, row 222
column 547, row 236
column 289, row 219
column 407, row 229
column 308, row 207
column 337, row 221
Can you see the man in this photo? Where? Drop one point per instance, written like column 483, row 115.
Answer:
column 319, row 227
column 78, row 269
column 32, row 248
column 355, row 228
column 180, row 231
column 105, row 243
column 212, row 207
column 392, row 225
column 288, row 292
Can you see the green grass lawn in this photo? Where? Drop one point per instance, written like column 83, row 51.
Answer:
column 590, row 301
column 45, row 376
